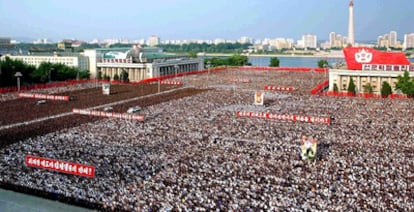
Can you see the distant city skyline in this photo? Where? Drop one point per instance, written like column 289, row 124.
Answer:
column 207, row 20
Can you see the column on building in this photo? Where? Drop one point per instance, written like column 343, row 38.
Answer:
column 130, row 74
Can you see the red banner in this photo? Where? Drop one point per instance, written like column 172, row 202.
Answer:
column 44, row 96
column 108, row 114
column 171, row 83
column 284, row 117
column 60, row 166
column 278, row 88
column 355, row 57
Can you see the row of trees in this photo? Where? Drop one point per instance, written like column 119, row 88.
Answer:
column 204, row 47
column 31, row 75
column 405, row 84
column 234, row 60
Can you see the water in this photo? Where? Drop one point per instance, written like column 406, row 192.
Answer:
column 293, row 61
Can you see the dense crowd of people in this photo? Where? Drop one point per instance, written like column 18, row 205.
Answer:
column 196, row 154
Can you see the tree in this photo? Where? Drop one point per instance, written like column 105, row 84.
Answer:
column 351, row 87
column 405, row 84
column 274, row 62
column 9, row 67
column 84, row 74
column 106, row 77
column 116, row 77
column 335, row 87
column 368, row 88
column 124, row 76
column 192, row 54
column 323, row 63
column 99, row 75
column 385, row 89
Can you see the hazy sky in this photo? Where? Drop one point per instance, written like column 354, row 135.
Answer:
column 201, row 19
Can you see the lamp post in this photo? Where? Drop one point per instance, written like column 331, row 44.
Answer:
column 18, row 75
column 176, row 67
column 325, row 66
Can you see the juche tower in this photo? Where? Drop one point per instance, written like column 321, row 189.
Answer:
column 351, row 35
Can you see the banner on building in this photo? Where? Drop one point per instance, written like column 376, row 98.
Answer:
column 356, row 57
column 258, row 98
column 60, row 166
column 106, row 89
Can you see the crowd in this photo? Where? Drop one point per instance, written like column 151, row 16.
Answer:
column 53, row 90
column 196, row 154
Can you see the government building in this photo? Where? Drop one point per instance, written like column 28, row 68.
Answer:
column 139, row 63
column 369, row 66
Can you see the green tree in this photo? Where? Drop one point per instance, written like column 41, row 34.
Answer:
column 99, row 75
column 323, row 63
column 368, row 88
column 106, row 77
column 405, row 84
column 124, row 76
column 9, row 67
column 238, row 60
column 385, row 89
column 335, row 87
column 84, row 74
column 192, row 54
column 116, row 77
column 351, row 87
column 274, row 62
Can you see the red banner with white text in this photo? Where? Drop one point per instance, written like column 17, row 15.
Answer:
column 60, row 166
column 284, row 117
column 355, row 57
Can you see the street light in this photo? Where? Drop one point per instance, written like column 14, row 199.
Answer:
column 18, row 75
column 176, row 67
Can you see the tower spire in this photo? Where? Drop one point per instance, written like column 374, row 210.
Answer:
column 351, row 36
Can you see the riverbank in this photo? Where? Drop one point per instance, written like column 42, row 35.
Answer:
column 274, row 55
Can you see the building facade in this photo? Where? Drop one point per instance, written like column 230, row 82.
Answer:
column 142, row 64
column 375, row 78
column 409, row 41
column 69, row 59
column 153, row 40
column 309, row 41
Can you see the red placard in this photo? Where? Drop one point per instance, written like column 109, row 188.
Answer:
column 171, row 82
column 278, row 88
column 284, row 117
column 60, row 166
column 355, row 57
column 108, row 114
column 44, row 96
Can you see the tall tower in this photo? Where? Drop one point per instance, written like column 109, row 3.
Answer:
column 351, row 35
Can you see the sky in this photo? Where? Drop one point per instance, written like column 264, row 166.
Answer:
column 201, row 19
